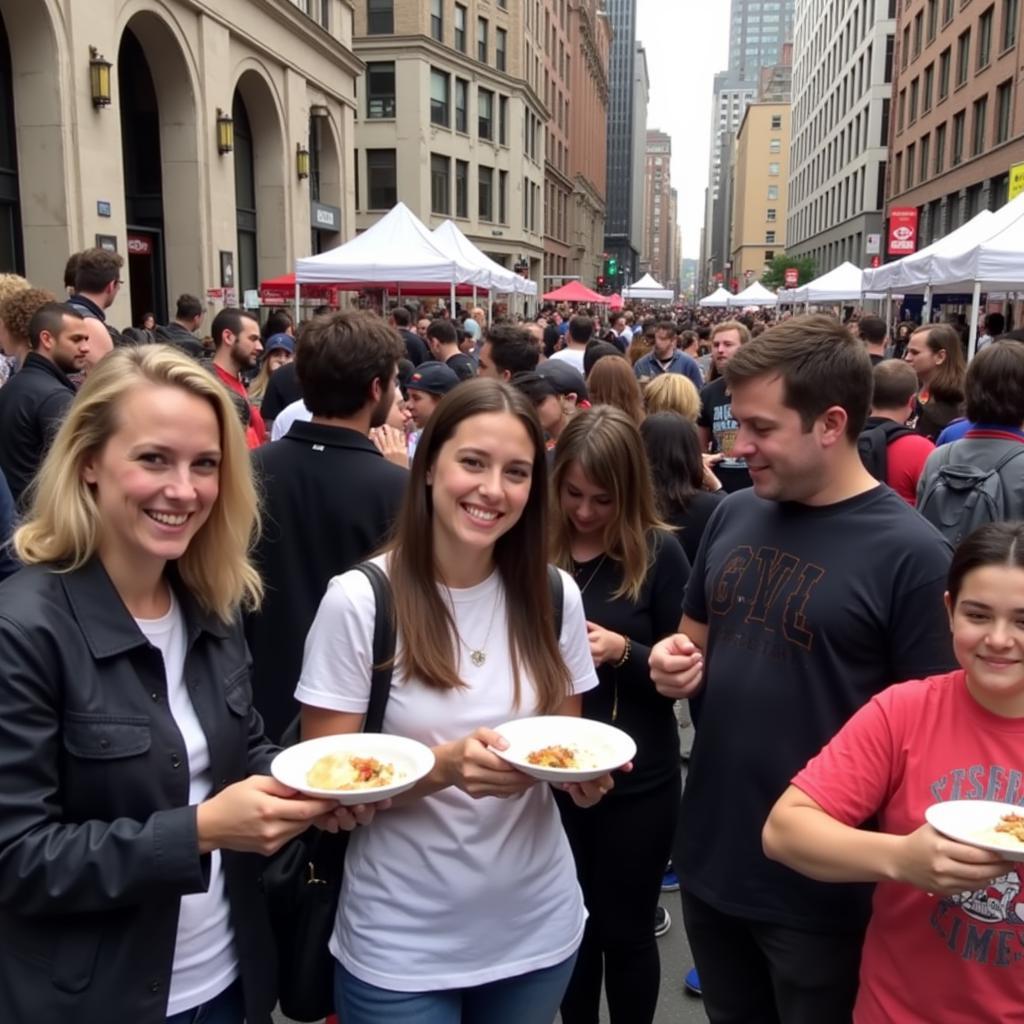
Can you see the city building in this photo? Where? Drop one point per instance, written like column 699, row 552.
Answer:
column 660, row 257
column 627, row 70
column 842, row 81
column 760, row 173
column 758, row 32
column 556, row 58
column 451, row 121
column 210, row 146
column 957, row 128
column 588, row 137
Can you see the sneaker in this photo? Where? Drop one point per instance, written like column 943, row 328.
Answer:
column 670, row 880
column 691, row 983
column 662, row 922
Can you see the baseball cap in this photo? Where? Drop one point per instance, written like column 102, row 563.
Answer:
column 565, row 378
column 282, row 341
column 432, row 377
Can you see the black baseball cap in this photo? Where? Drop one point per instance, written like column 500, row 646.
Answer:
column 433, row 378
column 567, row 380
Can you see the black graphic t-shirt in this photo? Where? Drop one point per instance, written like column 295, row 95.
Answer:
column 716, row 416
column 810, row 612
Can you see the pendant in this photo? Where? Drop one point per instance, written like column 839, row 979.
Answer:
column 478, row 657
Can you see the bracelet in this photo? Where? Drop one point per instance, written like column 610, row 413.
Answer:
column 625, row 653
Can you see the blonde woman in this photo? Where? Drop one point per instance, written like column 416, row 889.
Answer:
column 613, row 382
column 672, row 392
column 133, row 762
column 632, row 573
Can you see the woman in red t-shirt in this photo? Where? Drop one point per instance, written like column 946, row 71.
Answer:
column 946, row 938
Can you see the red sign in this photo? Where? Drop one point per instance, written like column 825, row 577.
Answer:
column 792, row 277
column 902, row 230
column 876, row 261
column 140, row 245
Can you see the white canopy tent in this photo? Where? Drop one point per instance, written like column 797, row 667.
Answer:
column 841, row 284
column 718, row 299
column 753, row 295
column 397, row 249
column 449, row 239
column 648, row 288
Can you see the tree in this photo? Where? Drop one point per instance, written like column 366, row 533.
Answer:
column 775, row 274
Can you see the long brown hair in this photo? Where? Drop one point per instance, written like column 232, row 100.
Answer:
column 947, row 383
column 605, row 443
column 430, row 653
column 613, row 382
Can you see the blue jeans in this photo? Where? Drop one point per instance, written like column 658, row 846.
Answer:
column 526, row 999
column 227, row 1008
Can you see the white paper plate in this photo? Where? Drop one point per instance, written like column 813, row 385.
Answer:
column 412, row 762
column 603, row 747
column 971, row 822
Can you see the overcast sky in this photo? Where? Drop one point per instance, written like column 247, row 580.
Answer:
column 687, row 41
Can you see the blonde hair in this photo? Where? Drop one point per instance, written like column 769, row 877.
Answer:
column 11, row 284
column 672, row 392
column 258, row 388
column 62, row 526
column 613, row 382
column 606, row 445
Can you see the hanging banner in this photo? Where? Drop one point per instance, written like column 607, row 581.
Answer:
column 792, row 277
column 902, row 230
column 1016, row 181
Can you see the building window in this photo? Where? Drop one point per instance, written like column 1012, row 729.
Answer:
column 1011, row 12
column 901, row 109
column 926, row 142
column 380, row 17
column 485, row 113
column 461, row 105
column 910, row 165
column 381, row 179
column 933, row 19
column 500, row 48
column 770, row 215
column 775, row 146
column 944, row 61
column 773, row 191
column 502, row 197
column 439, row 91
column 461, row 188
column 437, row 20
column 918, row 33
column 958, row 139
column 905, row 49
column 978, row 127
column 1004, row 98
column 380, row 89
column 776, row 122
column 947, row 11
column 773, row 169
column 481, row 40
column 503, row 120
column 929, row 85
column 985, row 37
column 769, row 255
column 912, row 111
column 940, row 148
column 485, row 193
column 460, row 28
column 963, row 57
column 769, row 237
column 440, row 184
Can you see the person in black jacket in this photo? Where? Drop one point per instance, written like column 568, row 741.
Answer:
column 134, row 764
column 33, row 403
column 632, row 573
column 181, row 331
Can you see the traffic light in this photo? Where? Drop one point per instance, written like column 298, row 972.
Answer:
column 601, row 282
column 613, row 266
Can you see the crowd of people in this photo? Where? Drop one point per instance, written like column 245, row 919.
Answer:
column 800, row 534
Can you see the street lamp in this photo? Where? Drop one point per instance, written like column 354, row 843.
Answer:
column 225, row 132
column 301, row 161
column 99, row 78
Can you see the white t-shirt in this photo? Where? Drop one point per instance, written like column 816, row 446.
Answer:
column 448, row 892
column 287, row 416
column 572, row 356
column 204, row 956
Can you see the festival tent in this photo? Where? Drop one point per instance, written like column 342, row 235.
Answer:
column 718, row 299
column 615, row 301
column 493, row 275
column 649, row 289
column 575, row 291
column 753, row 295
column 842, row 284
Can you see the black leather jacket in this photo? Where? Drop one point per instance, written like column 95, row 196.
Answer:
column 97, row 841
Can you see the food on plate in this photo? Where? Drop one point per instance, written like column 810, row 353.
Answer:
column 348, row 772
column 554, row 757
column 1008, row 832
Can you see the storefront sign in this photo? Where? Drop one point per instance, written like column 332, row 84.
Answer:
column 324, row 217
column 102, row 208
column 1016, row 180
column 902, row 230
column 792, row 277
column 214, row 294
column 874, row 245
column 140, row 245
column 108, row 242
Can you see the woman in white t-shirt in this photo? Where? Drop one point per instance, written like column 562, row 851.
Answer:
column 460, row 904
column 135, row 790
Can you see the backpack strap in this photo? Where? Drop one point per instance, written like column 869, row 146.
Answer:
column 384, row 641
column 557, row 587
column 1008, row 457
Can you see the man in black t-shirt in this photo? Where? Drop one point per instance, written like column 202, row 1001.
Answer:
column 716, row 424
column 443, row 341
column 811, row 592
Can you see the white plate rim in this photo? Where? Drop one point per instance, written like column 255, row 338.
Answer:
column 935, row 815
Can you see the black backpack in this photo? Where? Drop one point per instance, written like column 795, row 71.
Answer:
column 873, row 445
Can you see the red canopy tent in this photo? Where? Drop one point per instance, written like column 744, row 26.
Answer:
column 575, row 291
column 615, row 301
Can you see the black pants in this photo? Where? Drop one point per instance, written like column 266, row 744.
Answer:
column 621, row 848
column 757, row 973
